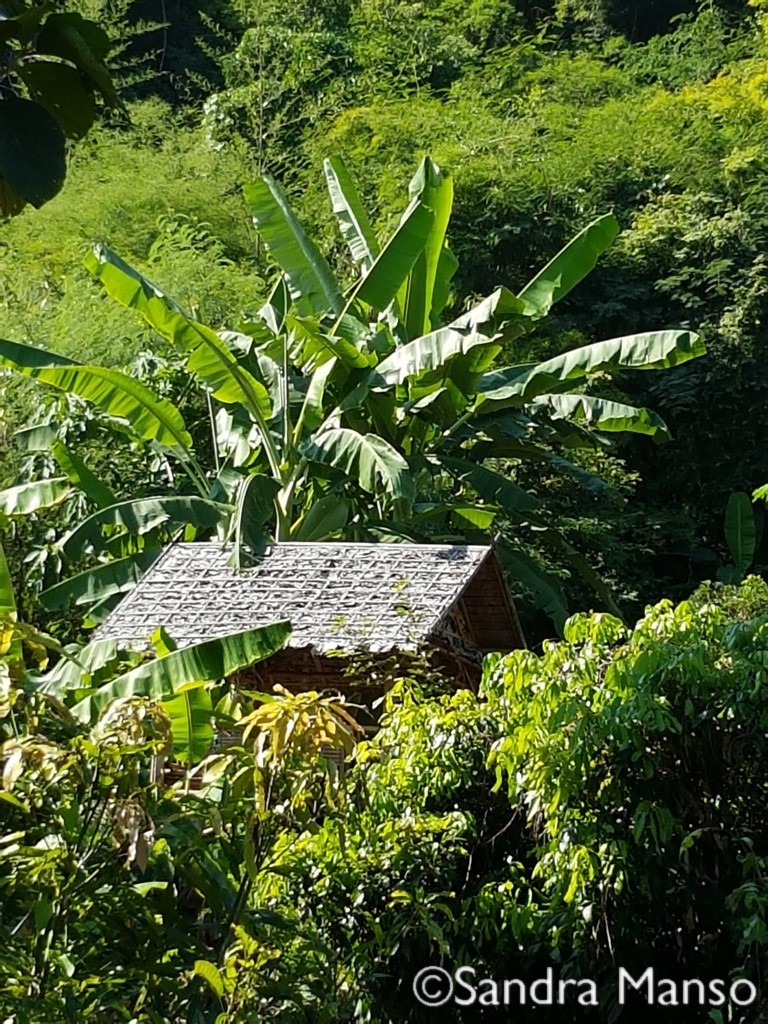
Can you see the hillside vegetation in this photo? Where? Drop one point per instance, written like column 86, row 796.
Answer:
column 377, row 270
column 546, row 115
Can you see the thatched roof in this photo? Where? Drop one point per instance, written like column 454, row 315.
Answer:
column 338, row 597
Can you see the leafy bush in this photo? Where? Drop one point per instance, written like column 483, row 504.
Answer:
column 602, row 804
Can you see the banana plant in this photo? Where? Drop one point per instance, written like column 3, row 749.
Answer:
column 86, row 683
column 356, row 410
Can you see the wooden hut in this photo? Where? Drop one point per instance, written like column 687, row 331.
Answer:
column 348, row 604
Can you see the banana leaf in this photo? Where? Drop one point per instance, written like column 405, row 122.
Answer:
column 312, row 284
column 326, row 517
column 82, row 477
column 93, row 585
column 654, row 350
column 427, row 287
column 570, row 266
column 740, row 531
column 491, row 486
column 207, row 355
column 430, row 352
column 115, row 393
column 380, row 285
column 205, row 662
column 377, row 466
column 140, row 515
column 24, row 499
column 601, row 414
column 191, row 715
column 350, row 213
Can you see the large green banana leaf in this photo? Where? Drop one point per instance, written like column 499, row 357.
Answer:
column 427, row 287
column 25, row 498
column 555, row 540
column 544, row 587
column 82, row 477
column 325, row 518
column 312, row 284
column 570, row 266
column 93, row 585
column 314, row 347
column 205, row 662
column 740, row 531
column 350, row 213
column 528, row 451
column 208, row 357
column 502, row 313
column 654, row 350
column 379, row 468
column 379, row 287
column 115, row 393
column 191, row 715
column 254, row 508
column 492, row 487
column 430, row 352
column 312, row 410
column 93, row 664
column 140, row 515
column 600, row 414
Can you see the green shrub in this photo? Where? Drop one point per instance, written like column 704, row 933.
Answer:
column 601, row 804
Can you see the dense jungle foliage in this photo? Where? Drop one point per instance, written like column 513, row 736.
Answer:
column 601, row 804
column 385, row 270
column 546, row 116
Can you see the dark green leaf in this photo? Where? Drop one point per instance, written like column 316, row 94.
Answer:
column 544, row 588
column 254, row 509
column 325, row 518
column 740, row 531
column 140, row 515
column 115, row 393
column 491, row 486
column 21, row 24
column 380, row 285
column 64, row 94
column 569, row 267
column 81, row 476
column 84, row 44
column 32, row 154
